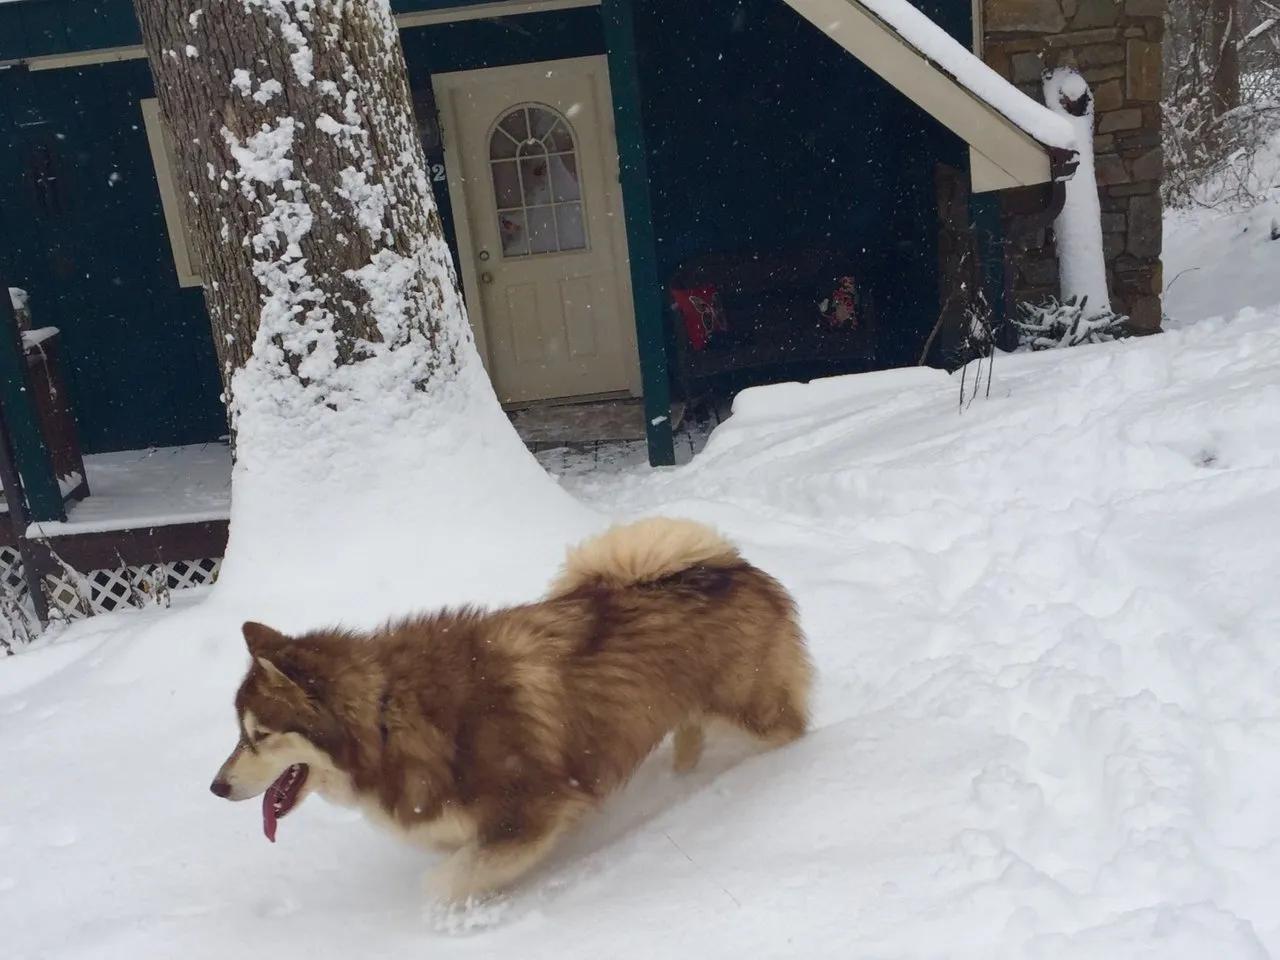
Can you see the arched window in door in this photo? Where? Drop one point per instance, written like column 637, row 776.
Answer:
column 533, row 159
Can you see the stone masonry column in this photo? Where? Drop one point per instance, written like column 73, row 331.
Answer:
column 1116, row 45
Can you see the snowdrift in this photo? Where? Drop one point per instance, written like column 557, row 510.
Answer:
column 1048, row 721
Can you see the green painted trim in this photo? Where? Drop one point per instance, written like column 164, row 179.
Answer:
column 646, row 285
column 44, row 498
column 984, row 210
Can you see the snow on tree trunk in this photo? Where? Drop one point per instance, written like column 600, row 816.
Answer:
column 316, row 228
column 1082, row 266
column 364, row 422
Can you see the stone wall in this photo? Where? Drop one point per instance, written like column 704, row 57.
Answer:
column 1116, row 45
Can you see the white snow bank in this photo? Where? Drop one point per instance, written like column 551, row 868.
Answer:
column 1080, row 568
column 1048, row 719
column 438, row 502
column 1218, row 260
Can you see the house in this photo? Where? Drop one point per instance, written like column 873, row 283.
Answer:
column 645, row 199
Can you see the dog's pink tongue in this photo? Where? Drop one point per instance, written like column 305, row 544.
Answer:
column 269, row 815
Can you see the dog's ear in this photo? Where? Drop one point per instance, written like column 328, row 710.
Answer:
column 265, row 645
column 275, row 674
column 261, row 639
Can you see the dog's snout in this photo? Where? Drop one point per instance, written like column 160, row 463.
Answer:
column 220, row 788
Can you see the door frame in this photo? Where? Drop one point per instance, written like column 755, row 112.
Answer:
column 444, row 85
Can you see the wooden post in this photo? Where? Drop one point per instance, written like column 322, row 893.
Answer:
column 31, row 454
column 32, row 564
column 646, row 285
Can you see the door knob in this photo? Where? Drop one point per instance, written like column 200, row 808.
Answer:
column 486, row 277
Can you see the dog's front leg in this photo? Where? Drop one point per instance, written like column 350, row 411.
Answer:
column 509, row 844
column 454, row 880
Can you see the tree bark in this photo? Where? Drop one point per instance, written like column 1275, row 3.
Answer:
column 1224, row 37
column 297, row 151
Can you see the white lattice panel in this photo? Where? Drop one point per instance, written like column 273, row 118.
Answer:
column 11, row 574
column 18, row 621
column 73, row 595
column 193, row 573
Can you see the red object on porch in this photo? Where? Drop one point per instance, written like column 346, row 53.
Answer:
column 703, row 314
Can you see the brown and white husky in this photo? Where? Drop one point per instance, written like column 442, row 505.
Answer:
column 489, row 733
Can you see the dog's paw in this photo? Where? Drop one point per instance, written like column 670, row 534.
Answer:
column 455, row 880
column 473, row 915
column 460, row 904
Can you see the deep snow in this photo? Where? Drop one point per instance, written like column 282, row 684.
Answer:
column 1223, row 256
column 1048, row 722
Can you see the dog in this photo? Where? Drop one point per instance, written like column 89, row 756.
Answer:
column 489, row 734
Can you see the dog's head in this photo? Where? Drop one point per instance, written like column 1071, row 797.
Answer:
column 284, row 727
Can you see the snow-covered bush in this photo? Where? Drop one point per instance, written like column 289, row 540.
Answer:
column 1221, row 101
column 1219, row 161
column 1054, row 324
column 18, row 622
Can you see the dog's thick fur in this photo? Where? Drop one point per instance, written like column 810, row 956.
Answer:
column 490, row 733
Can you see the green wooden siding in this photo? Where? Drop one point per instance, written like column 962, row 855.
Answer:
column 763, row 134
column 81, row 229
column 38, row 28
column 651, row 321
column 754, row 129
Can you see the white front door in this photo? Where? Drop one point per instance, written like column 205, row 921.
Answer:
column 533, row 172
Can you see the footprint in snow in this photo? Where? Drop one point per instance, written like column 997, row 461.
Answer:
column 275, row 907
column 63, row 836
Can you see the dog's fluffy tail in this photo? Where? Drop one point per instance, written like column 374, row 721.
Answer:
column 643, row 552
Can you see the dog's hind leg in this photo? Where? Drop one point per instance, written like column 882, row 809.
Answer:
column 773, row 720
column 773, row 710
column 774, row 706
column 509, row 845
column 688, row 741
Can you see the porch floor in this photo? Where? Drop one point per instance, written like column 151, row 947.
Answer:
column 135, row 489
column 548, row 425
column 171, row 486
column 618, row 456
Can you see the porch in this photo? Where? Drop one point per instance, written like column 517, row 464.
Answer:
column 125, row 528
column 154, row 521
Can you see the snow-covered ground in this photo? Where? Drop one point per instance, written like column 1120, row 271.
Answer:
column 1048, row 722
column 1221, row 258
column 137, row 488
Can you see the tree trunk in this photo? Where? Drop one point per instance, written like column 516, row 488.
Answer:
column 1224, row 36
column 319, row 242
column 375, row 470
